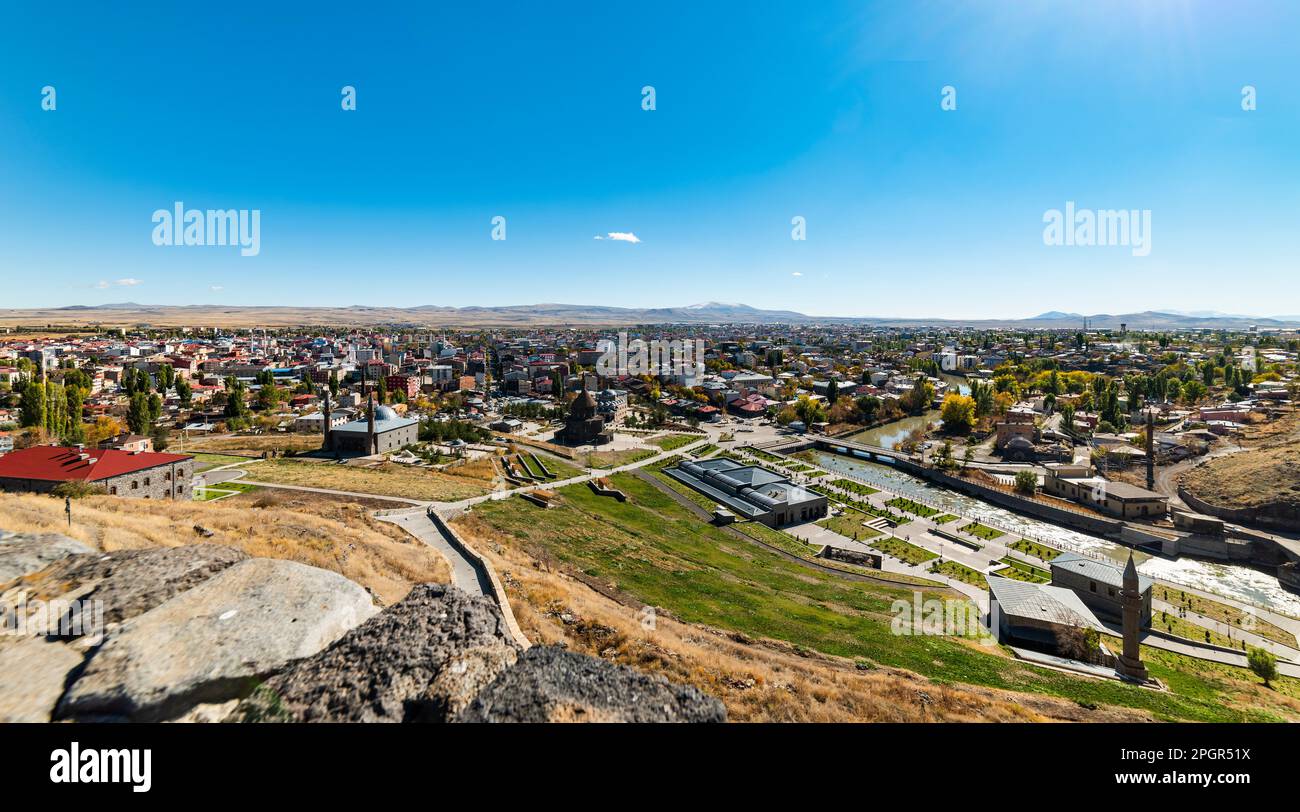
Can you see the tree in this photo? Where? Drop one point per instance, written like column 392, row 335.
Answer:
column 185, row 392
column 958, row 412
column 1026, row 482
column 33, row 404
column 809, row 410
column 334, row 383
column 104, row 428
column 869, row 406
column 166, row 377
column 161, row 438
column 919, row 397
column 235, row 406
column 1263, row 665
column 138, row 413
column 832, row 391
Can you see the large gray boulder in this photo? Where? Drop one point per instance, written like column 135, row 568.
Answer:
column 34, row 675
column 216, row 641
column 552, row 684
column 422, row 659
column 25, row 553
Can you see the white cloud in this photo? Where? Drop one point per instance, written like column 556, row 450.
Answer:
column 620, row 236
column 217, row 287
column 101, row 284
column 797, row 273
column 128, row 282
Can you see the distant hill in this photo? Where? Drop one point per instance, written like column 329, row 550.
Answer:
column 432, row 316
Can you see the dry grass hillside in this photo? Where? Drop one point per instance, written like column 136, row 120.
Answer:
column 331, row 534
column 1265, row 477
column 758, row 680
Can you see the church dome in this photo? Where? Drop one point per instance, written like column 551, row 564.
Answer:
column 385, row 413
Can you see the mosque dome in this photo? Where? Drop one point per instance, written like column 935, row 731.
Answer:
column 385, row 413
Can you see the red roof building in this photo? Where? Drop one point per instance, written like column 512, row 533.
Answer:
column 126, row 473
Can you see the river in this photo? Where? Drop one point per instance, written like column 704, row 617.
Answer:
column 889, row 435
column 1241, row 583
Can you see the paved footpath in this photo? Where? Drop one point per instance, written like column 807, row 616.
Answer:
column 465, row 573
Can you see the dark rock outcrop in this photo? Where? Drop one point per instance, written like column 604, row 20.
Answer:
column 441, row 655
column 418, row 660
column 552, row 684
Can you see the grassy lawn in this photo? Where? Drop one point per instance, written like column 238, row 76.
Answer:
column 222, row 490
column 562, row 470
column 849, row 525
column 982, row 531
column 387, row 479
column 863, row 507
column 1223, row 613
column 654, row 549
column 672, row 442
column 944, row 519
column 1172, row 624
column 1036, row 550
column 960, row 572
column 792, row 545
column 613, row 459
column 704, row 450
column 912, row 506
column 1022, row 571
column 854, row 487
column 903, row 550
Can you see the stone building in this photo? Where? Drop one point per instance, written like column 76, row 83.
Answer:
column 138, row 474
column 584, row 425
column 1100, row 585
column 381, row 431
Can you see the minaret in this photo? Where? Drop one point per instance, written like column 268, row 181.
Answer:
column 1130, row 662
column 371, row 441
column 326, row 425
column 1151, row 450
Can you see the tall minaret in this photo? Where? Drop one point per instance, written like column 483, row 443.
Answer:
column 326, row 425
column 1151, row 450
column 372, row 442
column 1130, row 662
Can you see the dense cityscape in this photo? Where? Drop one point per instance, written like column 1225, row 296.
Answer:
column 1015, row 470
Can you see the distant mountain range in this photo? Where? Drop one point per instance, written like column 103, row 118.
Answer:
column 132, row 313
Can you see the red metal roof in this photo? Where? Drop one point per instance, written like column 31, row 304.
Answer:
column 60, row 464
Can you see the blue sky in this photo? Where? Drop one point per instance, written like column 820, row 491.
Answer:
column 765, row 111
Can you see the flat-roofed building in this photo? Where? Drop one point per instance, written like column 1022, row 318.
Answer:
column 1079, row 484
column 751, row 492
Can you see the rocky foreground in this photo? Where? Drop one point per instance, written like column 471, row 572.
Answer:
column 206, row 633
